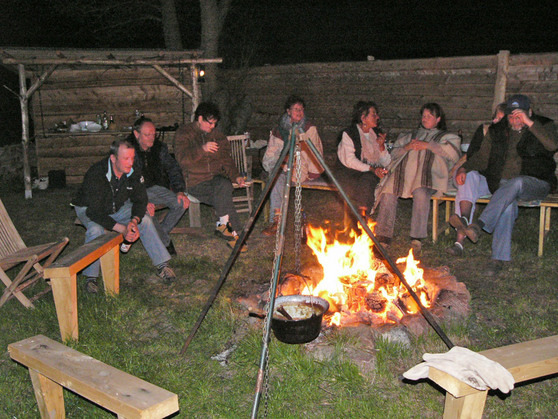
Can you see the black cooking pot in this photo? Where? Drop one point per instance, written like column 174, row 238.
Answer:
column 306, row 313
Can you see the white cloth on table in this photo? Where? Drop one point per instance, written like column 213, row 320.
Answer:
column 470, row 367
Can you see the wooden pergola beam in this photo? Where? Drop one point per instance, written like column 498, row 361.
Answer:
column 110, row 62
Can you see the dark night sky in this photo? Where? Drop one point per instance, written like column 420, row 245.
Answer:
column 259, row 32
column 288, row 31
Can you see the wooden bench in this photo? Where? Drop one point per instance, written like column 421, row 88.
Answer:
column 63, row 274
column 525, row 361
column 194, row 214
column 53, row 366
column 545, row 206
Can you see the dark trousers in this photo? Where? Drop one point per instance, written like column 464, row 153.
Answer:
column 218, row 192
column 359, row 186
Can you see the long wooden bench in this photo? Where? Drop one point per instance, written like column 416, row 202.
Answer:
column 525, row 361
column 545, row 206
column 63, row 278
column 53, row 366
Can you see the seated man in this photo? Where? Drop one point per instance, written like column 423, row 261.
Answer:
column 293, row 119
column 204, row 154
column 113, row 197
column 158, row 169
column 513, row 161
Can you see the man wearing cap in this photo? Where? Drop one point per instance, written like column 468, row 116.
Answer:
column 513, row 161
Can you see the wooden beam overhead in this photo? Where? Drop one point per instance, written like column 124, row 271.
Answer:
column 91, row 57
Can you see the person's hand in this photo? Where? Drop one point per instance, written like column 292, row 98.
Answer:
column 132, row 232
column 240, row 181
column 210, row 147
column 183, row 199
column 522, row 116
column 380, row 172
column 381, row 140
column 417, row 145
column 461, row 176
column 151, row 209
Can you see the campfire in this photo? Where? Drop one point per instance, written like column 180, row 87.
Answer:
column 360, row 288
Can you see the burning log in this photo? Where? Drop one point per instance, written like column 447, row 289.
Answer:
column 376, row 302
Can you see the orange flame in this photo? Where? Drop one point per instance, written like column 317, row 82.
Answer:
column 350, row 282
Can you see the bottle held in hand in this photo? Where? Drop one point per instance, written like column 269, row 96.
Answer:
column 125, row 246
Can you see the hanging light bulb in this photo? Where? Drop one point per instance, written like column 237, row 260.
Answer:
column 201, row 73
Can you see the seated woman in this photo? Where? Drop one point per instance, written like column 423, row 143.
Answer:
column 293, row 119
column 420, row 167
column 362, row 156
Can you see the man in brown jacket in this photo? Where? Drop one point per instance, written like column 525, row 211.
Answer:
column 204, row 155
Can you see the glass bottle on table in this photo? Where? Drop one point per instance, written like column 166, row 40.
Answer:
column 112, row 124
column 105, row 120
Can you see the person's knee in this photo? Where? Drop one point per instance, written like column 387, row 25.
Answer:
column 224, row 186
column 94, row 230
column 472, row 177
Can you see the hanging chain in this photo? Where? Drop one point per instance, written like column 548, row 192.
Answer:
column 298, row 208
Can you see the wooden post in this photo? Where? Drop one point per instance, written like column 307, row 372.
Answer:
column 24, row 104
column 501, row 78
column 196, row 94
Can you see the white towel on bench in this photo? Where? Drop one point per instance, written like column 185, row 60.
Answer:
column 470, row 367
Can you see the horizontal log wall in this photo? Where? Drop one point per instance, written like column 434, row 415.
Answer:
column 464, row 86
column 80, row 94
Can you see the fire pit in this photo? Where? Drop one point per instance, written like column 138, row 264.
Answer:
column 360, row 289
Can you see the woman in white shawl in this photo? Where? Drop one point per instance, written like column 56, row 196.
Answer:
column 420, row 165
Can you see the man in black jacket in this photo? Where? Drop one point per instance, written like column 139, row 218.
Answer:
column 159, row 169
column 513, row 161
column 113, row 197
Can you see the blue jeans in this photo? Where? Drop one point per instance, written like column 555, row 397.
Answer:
column 148, row 235
column 161, row 195
column 501, row 212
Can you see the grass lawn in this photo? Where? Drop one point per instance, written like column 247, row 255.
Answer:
column 142, row 330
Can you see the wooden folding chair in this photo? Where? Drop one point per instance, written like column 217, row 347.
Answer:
column 238, row 150
column 14, row 253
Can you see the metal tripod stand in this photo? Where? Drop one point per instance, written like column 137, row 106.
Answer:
column 289, row 149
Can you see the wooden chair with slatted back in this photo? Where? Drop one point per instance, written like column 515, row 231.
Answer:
column 14, row 254
column 239, row 143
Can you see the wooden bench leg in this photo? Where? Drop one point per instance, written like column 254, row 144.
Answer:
column 544, row 227
column 49, row 395
column 194, row 213
column 435, row 204
column 64, row 290
column 110, row 267
column 470, row 406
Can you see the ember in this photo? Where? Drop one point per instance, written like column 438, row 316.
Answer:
column 359, row 287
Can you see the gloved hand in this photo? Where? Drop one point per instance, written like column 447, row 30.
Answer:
column 470, row 367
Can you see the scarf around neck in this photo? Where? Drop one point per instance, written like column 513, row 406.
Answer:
column 285, row 126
